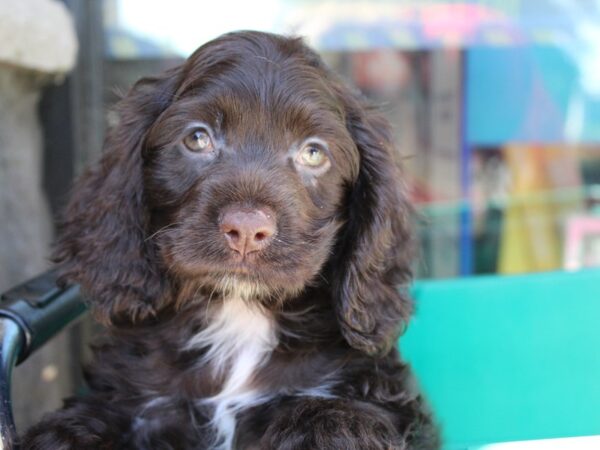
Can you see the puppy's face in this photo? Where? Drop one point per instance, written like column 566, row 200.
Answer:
column 251, row 166
column 245, row 174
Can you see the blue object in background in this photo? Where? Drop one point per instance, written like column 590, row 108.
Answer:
column 523, row 94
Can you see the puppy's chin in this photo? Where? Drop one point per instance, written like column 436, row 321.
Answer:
column 273, row 288
column 267, row 286
column 244, row 288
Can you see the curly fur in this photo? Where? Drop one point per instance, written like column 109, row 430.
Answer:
column 294, row 350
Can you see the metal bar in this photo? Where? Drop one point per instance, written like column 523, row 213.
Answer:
column 41, row 309
column 12, row 341
column 30, row 315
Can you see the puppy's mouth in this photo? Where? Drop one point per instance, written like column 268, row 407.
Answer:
column 279, row 263
column 258, row 270
column 247, row 262
column 244, row 267
column 250, row 266
column 250, row 277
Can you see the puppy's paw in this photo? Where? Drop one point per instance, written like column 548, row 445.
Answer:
column 83, row 425
column 59, row 438
column 329, row 424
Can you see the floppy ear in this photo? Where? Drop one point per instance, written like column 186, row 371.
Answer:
column 376, row 244
column 102, row 237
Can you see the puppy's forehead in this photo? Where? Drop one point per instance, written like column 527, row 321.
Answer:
column 260, row 90
column 274, row 103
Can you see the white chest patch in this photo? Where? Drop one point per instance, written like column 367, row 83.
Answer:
column 240, row 339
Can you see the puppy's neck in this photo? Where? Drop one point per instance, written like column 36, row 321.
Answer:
column 239, row 337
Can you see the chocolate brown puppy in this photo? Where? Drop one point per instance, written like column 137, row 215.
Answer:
column 243, row 239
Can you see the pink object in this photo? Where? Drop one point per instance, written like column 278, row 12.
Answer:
column 455, row 20
column 582, row 243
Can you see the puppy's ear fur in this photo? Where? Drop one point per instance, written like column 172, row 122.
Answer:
column 376, row 245
column 102, row 237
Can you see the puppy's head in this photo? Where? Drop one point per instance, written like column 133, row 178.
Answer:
column 250, row 167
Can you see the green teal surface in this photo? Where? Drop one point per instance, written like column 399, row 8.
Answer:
column 509, row 358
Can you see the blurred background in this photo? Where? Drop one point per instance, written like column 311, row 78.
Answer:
column 495, row 106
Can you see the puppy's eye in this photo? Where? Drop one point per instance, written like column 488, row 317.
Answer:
column 312, row 155
column 199, row 141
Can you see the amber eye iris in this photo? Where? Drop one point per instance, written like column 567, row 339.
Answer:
column 312, row 155
column 199, row 141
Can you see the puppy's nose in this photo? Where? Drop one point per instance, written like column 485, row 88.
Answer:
column 248, row 231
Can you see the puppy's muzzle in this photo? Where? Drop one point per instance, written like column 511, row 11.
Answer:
column 248, row 230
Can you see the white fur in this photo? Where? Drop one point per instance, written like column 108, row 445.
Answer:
column 240, row 339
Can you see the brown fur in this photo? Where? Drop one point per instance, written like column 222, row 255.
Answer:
column 141, row 236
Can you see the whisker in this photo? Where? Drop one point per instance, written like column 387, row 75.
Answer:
column 162, row 230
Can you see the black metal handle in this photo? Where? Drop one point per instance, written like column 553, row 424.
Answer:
column 30, row 315
column 41, row 309
column 11, row 343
